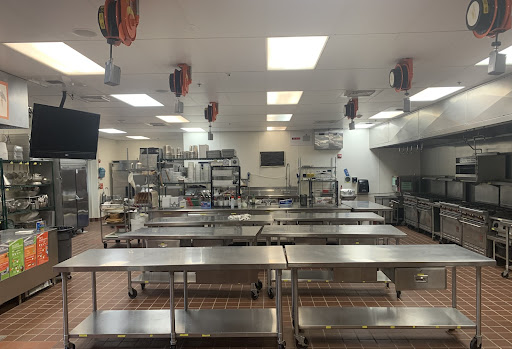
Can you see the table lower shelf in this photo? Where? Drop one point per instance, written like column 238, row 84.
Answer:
column 155, row 277
column 382, row 317
column 323, row 276
column 190, row 323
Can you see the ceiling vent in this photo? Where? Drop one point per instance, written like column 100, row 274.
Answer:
column 55, row 82
column 359, row 93
column 95, row 98
column 326, row 122
column 156, row 124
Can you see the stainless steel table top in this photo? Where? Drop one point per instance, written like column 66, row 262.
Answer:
column 220, row 233
column 259, row 208
column 366, row 206
column 199, row 220
column 340, row 217
column 176, row 259
column 306, row 256
column 332, row 231
column 9, row 235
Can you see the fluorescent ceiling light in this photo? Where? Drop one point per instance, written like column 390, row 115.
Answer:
column 137, row 137
column 172, row 118
column 364, row 125
column 279, row 117
column 192, row 129
column 386, row 114
column 110, row 130
column 507, row 51
column 283, row 97
column 294, row 53
column 278, row 128
column 138, row 100
column 434, row 93
column 58, row 56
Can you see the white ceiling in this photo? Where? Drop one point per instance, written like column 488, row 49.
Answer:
column 225, row 43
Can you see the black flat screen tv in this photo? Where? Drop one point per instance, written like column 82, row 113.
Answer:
column 271, row 158
column 61, row 133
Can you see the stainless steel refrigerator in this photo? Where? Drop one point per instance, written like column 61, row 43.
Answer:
column 72, row 197
column 119, row 171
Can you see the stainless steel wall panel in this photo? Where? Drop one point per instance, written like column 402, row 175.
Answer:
column 447, row 116
column 488, row 194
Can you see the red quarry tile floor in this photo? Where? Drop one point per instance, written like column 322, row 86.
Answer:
column 37, row 323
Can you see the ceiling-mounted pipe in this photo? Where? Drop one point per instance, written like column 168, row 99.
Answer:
column 63, row 100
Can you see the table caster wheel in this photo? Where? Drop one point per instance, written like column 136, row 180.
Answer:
column 398, row 294
column 118, row 241
column 474, row 344
column 142, row 286
column 301, row 342
column 259, row 285
column 387, row 284
column 70, row 346
column 69, row 277
column 104, row 245
column 504, row 274
column 132, row 294
column 270, row 293
column 281, row 345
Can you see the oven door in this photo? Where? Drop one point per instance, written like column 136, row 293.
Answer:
column 474, row 236
column 411, row 214
column 451, row 228
column 425, row 218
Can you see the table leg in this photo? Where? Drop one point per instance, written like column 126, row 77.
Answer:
column 507, row 257
column 93, row 288
column 454, row 287
column 131, row 291
column 295, row 302
column 477, row 340
column 279, row 309
column 171, row 309
column 269, row 272
column 185, row 290
column 65, row 323
column 397, row 241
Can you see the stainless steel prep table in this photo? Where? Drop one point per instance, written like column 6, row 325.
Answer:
column 224, row 235
column 412, row 256
column 345, row 234
column 207, row 220
column 256, row 210
column 368, row 206
column 328, row 218
column 175, row 323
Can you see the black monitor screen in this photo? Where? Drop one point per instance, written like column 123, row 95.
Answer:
column 272, row 158
column 63, row 133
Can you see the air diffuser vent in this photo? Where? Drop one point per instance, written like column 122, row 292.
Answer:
column 156, row 124
column 359, row 93
column 95, row 98
column 326, row 122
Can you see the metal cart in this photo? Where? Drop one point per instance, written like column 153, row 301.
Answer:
column 343, row 235
column 415, row 262
column 173, row 323
column 120, row 227
column 196, row 236
column 328, row 218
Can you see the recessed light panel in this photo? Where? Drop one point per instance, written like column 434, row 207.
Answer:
column 283, row 97
column 364, row 125
column 279, row 117
column 507, row 51
column 59, row 56
column 192, row 129
column 172, row 118
column 279, row 128
column 138, row 100
column 110, row 130
column 386, row 114
column 434, row 93
column 294, row 53
column 137, row 137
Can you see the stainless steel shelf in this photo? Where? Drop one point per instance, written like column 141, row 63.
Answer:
column 27, row 185
column 34, row 210
column 323, row 276
column 190, row 323
column 198, row 159
column 382, row 317
column 154, row 277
